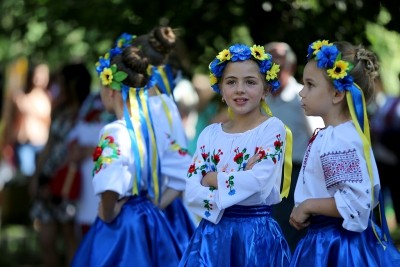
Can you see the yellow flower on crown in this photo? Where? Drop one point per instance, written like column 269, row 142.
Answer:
column 242, row 52
column 318, row 44
column 224, row 55
column 339, row 70
column 213, row 79
column 258, row 52
column 273, row 72
column 106, row 76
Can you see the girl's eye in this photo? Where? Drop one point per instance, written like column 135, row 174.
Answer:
column 230, row 82
column 251, row 82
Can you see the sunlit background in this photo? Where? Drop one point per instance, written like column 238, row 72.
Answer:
column 58, row 32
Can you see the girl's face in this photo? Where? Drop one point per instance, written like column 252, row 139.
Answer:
column 242, row 87
column 318, row 92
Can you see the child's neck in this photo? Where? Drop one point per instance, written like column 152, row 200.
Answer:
column 336, row 120
column 240, row 124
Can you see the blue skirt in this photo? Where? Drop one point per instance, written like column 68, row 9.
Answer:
column 245, row 236
column 181, row 222
column 139, row 236
column 327, row 243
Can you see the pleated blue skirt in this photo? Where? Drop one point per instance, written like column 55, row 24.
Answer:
column 139, row 236
column 245, row 236
column 181, row 222
column 327, row 243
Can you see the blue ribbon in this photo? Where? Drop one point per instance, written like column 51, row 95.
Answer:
column 146, row 138
column 170, row 76
column 131, row 130
column 159, row 80
column 356, row 95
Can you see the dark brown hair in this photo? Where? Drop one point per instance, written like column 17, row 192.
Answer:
column 133, row 62
column 157, row 44
column 366, row 66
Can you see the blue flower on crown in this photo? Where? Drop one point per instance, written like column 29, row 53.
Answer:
column 124, row 40
column 328, row 57
column 343, row 84
column 109, row 74
column 241, row 52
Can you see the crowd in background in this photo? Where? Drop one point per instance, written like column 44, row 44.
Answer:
column 51, row 120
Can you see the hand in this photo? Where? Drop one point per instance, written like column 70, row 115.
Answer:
column 298, row 218
column 252, row 161
column 210, row 179
column 117, row 209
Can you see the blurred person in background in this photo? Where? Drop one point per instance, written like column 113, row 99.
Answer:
column 385, row 136
column 53, row 213
column 91, row 119
column 26, row 129
column 285, row 104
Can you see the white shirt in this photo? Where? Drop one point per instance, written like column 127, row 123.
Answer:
column 115, row 169
column 227, row 154
column 334, row 166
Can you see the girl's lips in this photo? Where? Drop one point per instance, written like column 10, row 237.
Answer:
column 240, row 100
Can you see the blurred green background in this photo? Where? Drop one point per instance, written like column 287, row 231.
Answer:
column 59, row 32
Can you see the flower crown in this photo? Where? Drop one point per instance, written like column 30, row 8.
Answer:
column 124, row 40
column 240, row 52
column 329, row 57
column 108, row 74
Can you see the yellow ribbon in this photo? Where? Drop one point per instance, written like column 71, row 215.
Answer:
column 166, row 109
column 287, row 170
column 164, row 77
column 134, row 108
column 287, row 164
column 153, row 144
column 366, row 141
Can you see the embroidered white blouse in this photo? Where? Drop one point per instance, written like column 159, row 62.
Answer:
column 334, row 166
column 227, row 154
column 114, row 160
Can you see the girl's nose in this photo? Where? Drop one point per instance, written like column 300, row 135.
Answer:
column 240, row 88
column 301, row 92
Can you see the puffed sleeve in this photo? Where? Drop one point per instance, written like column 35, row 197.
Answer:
column 174, row 164
column 346, row 176
column 174, row 158
column 113, row 160
column 201, row 199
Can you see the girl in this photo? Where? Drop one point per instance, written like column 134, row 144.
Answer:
column 157, row 46
column 236, row 172
column 130, row 228
column 338, row 185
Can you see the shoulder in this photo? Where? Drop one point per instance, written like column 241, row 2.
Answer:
column 272, row 123
column 116, row 128
column 211, row 129
column 342, row 136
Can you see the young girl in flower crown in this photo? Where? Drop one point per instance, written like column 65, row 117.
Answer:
column 130, row 228
column 157, row 46
column 338, row 186
column 236, row 172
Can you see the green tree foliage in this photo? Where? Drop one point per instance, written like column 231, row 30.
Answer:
column 60, row 31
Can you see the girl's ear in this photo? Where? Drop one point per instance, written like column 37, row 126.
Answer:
column 338, row 96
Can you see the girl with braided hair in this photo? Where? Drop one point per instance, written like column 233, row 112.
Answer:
column 157, row 46
column 130, row 229
column 338, row 185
